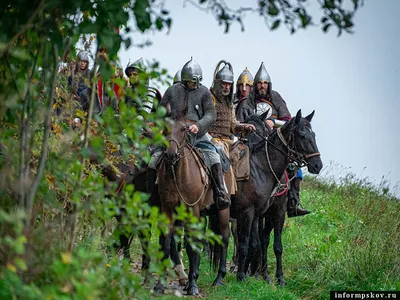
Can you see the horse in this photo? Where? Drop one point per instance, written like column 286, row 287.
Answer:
column 183, row 179
column 294, row 141
column 137, row 176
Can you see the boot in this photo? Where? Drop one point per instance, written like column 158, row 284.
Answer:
column 220, row 197
column 151, row 178
column 293, row 209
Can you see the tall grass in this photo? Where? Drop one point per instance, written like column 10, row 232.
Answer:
column 351, row 241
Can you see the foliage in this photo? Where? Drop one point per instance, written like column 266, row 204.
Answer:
column 294, row 14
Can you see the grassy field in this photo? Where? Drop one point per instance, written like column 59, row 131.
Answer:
column 351, row 241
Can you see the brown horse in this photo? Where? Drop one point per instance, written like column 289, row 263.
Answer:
column 183, row 179
column 294, row 141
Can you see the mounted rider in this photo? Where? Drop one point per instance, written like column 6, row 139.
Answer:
column 193, row 102
column 138, row 93
column 177, row 77
column 263, row 99
column 226, row 124
column 244, row 85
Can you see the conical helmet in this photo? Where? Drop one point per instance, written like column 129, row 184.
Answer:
column 191, row 71
column 177, row 77
column 138, row 65
column 245, row 78
column 262, row 75
column 225, row 74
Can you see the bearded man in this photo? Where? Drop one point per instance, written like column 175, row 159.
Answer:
column 263, row 99
column 226, row 124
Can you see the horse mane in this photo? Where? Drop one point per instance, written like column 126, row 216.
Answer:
column 256, row 144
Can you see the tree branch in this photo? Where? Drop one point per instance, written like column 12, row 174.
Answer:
column 43, row 156
column 24, row 162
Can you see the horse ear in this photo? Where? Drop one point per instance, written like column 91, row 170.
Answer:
column 298, row 117
column 264, row 115
column 310, row 116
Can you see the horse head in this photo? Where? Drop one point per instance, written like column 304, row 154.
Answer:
column 299, row 138
column 177, row 141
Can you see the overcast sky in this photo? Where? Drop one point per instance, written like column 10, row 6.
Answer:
column 350, row 81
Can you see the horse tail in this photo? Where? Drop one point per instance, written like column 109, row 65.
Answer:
column 215, row 250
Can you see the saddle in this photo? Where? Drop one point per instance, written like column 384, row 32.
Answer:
column 239, row 157
column 201, row 164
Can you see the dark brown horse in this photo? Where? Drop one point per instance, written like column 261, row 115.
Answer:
column 294, row 141
column 182, row 179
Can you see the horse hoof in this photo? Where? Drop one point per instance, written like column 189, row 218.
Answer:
column 267, row 279
column 182, row 282
column 159, row 289
column 241, row 276
column 281, row 282
column 217, row 283
column 192, row 291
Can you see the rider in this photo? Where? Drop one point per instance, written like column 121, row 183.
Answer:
column 138, row 84
column 244, row 85
column 80, row 80
column 108, row 93
column 226, row 125
column 261, row 99
column 200, row 115
column 177, row 77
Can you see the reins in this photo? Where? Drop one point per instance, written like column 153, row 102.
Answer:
column 298, row 158
column 172, row 166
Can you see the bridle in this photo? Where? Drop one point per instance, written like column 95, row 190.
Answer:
column 292, row 155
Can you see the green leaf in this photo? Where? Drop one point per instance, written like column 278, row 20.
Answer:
column 276, row 24
column 142, row 16
column 89, row 27
column 159, row 23
column 326, row 27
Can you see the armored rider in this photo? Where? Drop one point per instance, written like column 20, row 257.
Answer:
column 80, row 80
column 244, row 85
column 261, row 99
column 139, row 85
column 226, row 125
column 200, row 115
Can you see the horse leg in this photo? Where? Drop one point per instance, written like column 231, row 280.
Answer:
column 244, row 227
column 194, row 262
column 123, row 239
column 265, row 238
column 279, row 220
column 206, row 246
column 254, row 259
column 233, row 268
column 178, row 265
column 144, row 241
column 165, row 242
column 223, row 220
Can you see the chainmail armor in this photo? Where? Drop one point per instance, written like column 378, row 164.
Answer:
column 183, row 104
column 248, row 107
